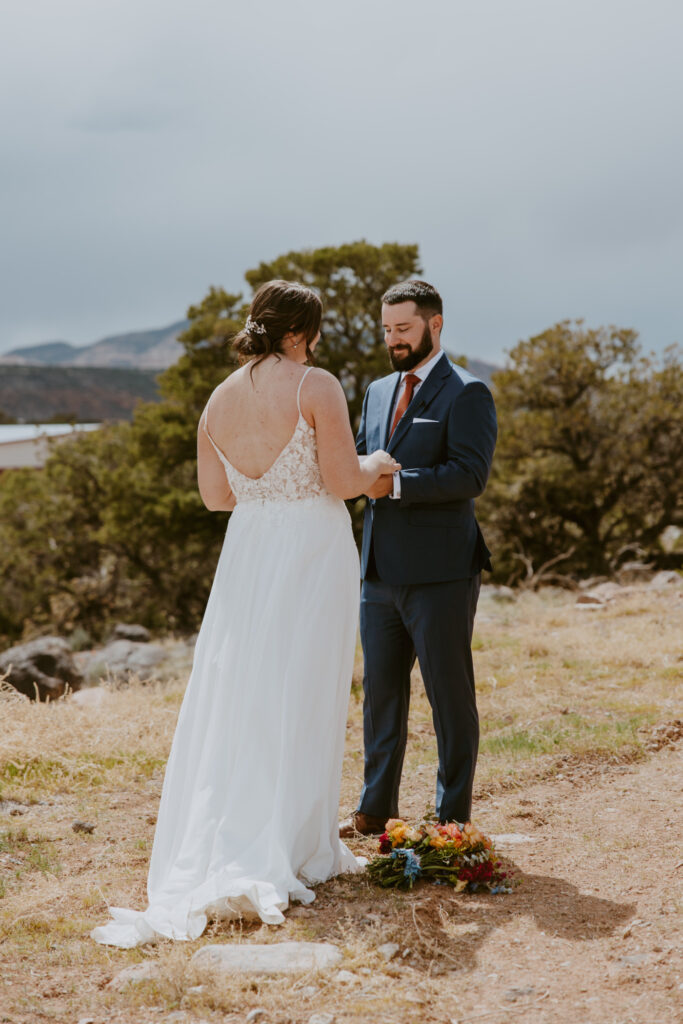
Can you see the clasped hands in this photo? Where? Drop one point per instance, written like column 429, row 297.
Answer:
column 384, row 484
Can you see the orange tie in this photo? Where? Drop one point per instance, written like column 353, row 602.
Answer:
column 411, row 379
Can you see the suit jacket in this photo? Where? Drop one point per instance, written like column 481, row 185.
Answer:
column 444, row 442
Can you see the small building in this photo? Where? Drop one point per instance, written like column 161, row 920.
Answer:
column 28, row 444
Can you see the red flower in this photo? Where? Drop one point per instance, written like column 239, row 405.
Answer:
column 477, row 873
column 385, row 844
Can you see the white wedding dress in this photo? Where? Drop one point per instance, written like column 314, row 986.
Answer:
column 249, row 806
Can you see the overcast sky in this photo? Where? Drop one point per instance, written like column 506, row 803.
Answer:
column 532, row 148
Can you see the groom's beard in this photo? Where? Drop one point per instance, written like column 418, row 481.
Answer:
column 404, row 358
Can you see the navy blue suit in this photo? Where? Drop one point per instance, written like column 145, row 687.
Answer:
column 421, row 562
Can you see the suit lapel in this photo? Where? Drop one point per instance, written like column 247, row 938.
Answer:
column 386, row 406
column 428, row 391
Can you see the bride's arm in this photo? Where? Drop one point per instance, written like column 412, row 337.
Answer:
column 344, row 472
column 213, row 484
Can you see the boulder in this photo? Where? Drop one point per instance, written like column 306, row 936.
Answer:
column 46, row 664
column 604, row 592
column 666, row 578
column 124, row 658
column 607, row 591
column 135, row 974
column 273, row 958
column 590, row 599
column 635, row 572
column 91, row 697
column 127, row 631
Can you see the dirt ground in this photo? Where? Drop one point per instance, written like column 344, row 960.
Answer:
column 580, row 759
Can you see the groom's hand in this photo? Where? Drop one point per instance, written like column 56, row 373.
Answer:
column 382, row 486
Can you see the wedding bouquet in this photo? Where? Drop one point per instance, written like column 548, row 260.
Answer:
column 452, row 854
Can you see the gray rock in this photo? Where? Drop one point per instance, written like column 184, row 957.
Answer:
column 91, row 697
column 634, row 572
column 83, row 826
column 255, row 1014
column 609, row 591
column 634, row 960
column 128, row 631
column 123, row 658
column 388, row 951
column 13, row 807
column 589, row 599
column 321, row 1018
column 46, row 665
column 345, row 977
column 134, row 975
column 666, row 578
column 275, row 958
column 512, row 838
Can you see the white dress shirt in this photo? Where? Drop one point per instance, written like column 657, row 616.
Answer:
column 422, row 373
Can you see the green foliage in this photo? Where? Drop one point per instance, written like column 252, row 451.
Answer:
column 589, row 463
column 351, row 280
column 113, row 527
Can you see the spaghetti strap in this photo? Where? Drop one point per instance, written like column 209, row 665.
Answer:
column 205, row 425
column 298, row 394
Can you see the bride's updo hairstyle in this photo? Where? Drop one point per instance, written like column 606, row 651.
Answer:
column 278, row 308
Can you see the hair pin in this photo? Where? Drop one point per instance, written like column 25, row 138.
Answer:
column 254, row 327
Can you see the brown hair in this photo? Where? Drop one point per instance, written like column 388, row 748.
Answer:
column 425, row 297
column 278, row 308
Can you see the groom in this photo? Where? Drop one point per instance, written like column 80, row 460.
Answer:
column 422, row 556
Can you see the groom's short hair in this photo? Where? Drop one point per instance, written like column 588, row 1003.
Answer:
column 425, row 297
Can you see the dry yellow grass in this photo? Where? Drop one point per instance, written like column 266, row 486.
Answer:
column 563, row 694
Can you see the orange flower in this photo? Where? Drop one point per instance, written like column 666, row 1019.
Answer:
column 453, row 832
column 436, row 839
column 473, row 835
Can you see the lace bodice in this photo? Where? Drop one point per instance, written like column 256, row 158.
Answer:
column 295, row 474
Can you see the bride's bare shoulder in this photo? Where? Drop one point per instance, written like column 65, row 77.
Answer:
column 234, row 381
column 322, row 383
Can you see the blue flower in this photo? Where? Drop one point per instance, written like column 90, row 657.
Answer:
column 411, row 868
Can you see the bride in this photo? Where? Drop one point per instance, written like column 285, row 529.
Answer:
column 249, row 805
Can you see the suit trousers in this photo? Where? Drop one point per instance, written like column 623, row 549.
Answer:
column 433, row 622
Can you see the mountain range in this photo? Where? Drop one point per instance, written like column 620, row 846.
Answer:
column 138, row 350
column 100, row 381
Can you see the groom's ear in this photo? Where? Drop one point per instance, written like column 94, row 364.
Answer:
column 436, row 322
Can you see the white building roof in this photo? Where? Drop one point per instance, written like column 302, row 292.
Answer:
column 27, row 444
column 12, row 432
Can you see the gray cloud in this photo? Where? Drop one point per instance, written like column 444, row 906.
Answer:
column 531, row 149
column 123, row 119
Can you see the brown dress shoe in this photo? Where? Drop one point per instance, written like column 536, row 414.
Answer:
column 362, row 824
